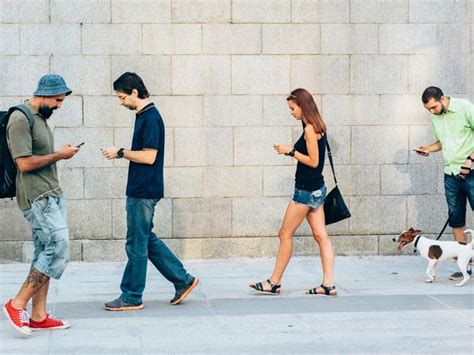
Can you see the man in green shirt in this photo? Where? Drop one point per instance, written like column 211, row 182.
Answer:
column 40, row 199
column 453, row 131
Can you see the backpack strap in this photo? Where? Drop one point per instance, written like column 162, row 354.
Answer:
column 25, row 111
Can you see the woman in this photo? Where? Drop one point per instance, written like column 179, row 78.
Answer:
column 308, row 198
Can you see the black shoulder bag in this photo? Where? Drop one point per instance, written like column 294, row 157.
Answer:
column 335, row 208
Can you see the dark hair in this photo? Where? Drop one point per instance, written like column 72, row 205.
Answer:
column 431, row 92
column 129, row 81
column 310, row 111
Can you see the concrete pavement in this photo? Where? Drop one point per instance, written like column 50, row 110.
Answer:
column 383, row 307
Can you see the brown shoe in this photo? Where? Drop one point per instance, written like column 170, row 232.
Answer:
column 180, row 295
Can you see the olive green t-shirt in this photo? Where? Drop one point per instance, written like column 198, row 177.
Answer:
column 455, row 130
column 24, row 142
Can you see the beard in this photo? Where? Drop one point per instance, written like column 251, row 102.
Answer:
column 443, row 110
column 130, row 107
column 46, row 111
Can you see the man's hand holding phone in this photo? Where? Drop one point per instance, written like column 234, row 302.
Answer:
column 422, row 150
column 68, row 151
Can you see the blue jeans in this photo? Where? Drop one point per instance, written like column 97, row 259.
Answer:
column 48, row 221
column 457, row 191
column 142, row 244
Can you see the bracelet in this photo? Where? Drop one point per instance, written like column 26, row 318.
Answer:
column 291, row 153
column 469, row 158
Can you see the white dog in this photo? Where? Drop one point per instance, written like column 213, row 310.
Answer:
column 435, row 250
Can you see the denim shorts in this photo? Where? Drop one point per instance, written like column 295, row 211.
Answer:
column 457, row 191
column 313, row 199
column 48, row 221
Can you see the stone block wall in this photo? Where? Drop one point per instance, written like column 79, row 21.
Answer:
column 219, row 71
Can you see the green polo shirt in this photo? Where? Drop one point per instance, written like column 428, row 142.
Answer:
column 455, row 130
column 24, row 142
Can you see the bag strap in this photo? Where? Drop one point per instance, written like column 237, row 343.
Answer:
column 328, row 148
column 25, row 111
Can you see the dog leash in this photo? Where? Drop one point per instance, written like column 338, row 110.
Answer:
column 450, row 214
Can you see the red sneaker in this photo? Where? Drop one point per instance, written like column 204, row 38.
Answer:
column 49, row 323
column 17, row 317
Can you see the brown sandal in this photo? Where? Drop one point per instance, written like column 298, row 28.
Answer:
column 327, row 291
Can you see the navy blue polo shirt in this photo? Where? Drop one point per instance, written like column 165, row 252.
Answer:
column 146, row 181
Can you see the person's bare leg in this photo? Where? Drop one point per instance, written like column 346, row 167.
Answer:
column 459, row 235
column 33, row 283
column 318, row 227
column 39, row 303
column 295, row 214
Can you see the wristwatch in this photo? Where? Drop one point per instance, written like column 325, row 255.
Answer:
column 291, row 153
column 120, row 152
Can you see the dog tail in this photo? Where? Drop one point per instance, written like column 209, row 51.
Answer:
column 471, row 232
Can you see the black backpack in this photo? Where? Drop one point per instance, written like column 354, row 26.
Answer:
column 7, row 165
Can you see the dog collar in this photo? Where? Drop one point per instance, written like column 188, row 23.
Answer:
column 417, row 240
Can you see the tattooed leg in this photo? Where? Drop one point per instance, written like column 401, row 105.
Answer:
column 39, row 303
column 35, row 279
column 33, row 283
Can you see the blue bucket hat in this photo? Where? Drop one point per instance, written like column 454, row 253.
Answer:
column 52, row 85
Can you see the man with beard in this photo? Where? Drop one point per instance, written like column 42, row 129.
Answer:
column 452, row 123
column 41, row 201
column 144, row 191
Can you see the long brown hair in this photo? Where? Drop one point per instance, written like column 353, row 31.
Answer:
column 310, row 111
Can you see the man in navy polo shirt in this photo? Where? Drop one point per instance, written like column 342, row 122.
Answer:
column 144, row 190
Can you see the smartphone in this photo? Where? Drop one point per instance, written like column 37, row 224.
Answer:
column 78, row 146
column 420, row 152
